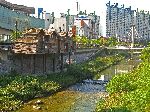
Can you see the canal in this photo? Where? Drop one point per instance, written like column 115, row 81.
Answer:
column 81, row 97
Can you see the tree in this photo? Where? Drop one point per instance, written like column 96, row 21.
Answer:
column 102, row 41
column 145, row 54
column 15, row 35
column 112, row 41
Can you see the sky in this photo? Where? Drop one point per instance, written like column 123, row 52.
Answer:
column 61, row 6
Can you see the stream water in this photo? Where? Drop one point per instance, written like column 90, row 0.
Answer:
column 91, row 90
column 83, row 97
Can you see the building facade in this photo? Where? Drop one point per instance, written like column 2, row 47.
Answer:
column 60, row 24
column 119, row 21
column 83, row 26
column 12, row 15
column 87, row 25
column 64, row 23
column 143, row 24
column 49, row 19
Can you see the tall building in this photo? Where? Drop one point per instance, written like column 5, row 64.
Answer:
column 83, row 26
column 64, row 23
column 17, row 17
column 119, row 21
column 143, row 23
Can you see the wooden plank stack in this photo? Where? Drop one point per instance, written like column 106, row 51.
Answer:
column 37, row 41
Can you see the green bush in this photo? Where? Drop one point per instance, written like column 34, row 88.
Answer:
column 129, row 91
column 22, row 88
column 16, row 89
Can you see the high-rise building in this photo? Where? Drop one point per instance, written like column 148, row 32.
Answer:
column 49, row 19
column 143, row 24
column 119, row 21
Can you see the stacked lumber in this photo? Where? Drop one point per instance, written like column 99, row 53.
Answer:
column 41, row 41
column 24, row 48
column 27, row 40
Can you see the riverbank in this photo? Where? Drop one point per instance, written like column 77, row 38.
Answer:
column 17, row 89
column 129, row 92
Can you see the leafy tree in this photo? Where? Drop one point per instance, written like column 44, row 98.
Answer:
column 145, row 54
column 129, row 92
column 112, row 41
column 15, row 35
column 102, row 41
column 84, row 40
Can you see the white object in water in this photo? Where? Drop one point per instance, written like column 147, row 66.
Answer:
column 102, row 78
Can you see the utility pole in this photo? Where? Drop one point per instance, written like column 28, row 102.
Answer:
column 60, row 53
column 16, row 28
column 77, row 6
column 69, row 49
column 132, row 36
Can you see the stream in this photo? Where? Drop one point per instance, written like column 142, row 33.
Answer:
column 83, row 97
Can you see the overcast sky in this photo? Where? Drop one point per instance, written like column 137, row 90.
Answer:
column 61, row 6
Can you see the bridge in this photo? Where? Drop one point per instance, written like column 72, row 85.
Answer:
column 133, row 50
column 125, row 48
column 132, row 35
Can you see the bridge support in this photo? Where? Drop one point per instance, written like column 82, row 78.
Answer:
column 132, row 35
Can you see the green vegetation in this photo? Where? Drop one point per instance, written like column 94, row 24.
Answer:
column 15, row 35
column 84, row 42
column 100, row 63
column 60, row 102
column 129, row 92
column 16, row 89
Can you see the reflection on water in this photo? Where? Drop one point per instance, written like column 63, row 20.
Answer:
column 123, row 67
column 86, row 102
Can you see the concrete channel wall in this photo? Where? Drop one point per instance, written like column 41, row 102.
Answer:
column 39, row 63
column 80, row 55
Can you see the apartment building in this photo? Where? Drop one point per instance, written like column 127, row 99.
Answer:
column 143, row 23
column 119, row 21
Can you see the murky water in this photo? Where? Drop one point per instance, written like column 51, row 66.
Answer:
column 82, row 97
column 90, row 93
column 125, row 66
